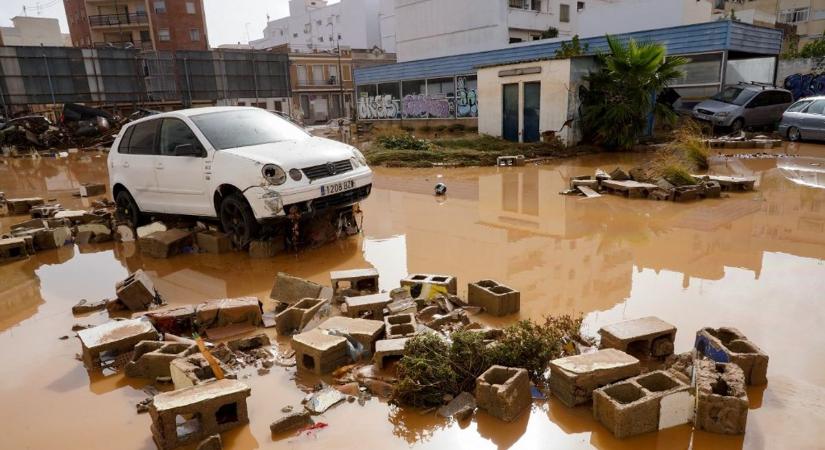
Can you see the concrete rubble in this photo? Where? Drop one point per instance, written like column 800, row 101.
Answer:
column 371, row 306
column 213, row 242
column 17, row 206
column 722, row 399
column 111, row 344
column 84, row 306
column 353, row 282
column 13, row 249
column 211, row 443
column 92, row 189
column 297, row 316
column 504, row 392
column 289, row 289
column 215, row 317
column 137, row 292
column 193, row 370
column 728, row 344
column 647, row 336
column 388, row 348
column 428, row 285
column 461, row 407
column 364, row 331
column 151, row 359
column 164, row 244
column 573, row 378
column 318, row 352
column 400, row 325
column 290, row 422
column 324, row 399
column 205, row 409
column 495, row 298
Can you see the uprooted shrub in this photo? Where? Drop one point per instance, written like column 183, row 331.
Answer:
column 402, row 141
column 432, row 368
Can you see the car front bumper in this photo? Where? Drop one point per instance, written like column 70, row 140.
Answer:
column 271, row 202
column 715, row 120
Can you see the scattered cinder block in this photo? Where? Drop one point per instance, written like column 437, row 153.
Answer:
column 516, row 160
column 354, row 282
column 400, row 325
column 721, row 398
column 23, row 205
column 148, row 229
column 370, row 305
column 187, row 416
column 213, row 242
column 163, row 244
column 645, row 403
column 137, row 291
column 365, row 331
column 496, row 299
column 424, row 283
column 297, row 316
column 48, row 239
column 93, row 233
column 249, row 343
column 318, row 352
column 44, row 211
column 260, row 249
column 648, row 336
column 151, row 359
column 179, row 321
column 728, row 344
column 193, row 370
column 573, row 378
column 388, row 348
column 111, row 344
column 504, row 392
column 289, row 289
column 92, row 189
column 13, row 249
column 222, row 313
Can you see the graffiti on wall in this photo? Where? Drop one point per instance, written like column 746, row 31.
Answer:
column 438, row 106
column 378, row 107
column 805, row 85
column 466, row 99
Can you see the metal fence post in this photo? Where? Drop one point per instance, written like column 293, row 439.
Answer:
column 48, row 75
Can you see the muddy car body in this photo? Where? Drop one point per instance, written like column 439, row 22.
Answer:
column 243, row 166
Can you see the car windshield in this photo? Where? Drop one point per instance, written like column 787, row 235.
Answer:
column 246, row 127
column 734, row 96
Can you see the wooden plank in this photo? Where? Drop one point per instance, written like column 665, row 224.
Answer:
column 590, row 193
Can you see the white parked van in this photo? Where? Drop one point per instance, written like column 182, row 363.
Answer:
column 240, row 165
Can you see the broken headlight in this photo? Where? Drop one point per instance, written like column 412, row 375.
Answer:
column 273, row 174
column 358, row 158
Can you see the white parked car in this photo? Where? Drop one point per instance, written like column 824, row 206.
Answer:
column 243, row 166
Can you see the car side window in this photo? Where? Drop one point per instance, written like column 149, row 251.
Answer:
column 761, row 99
column 174, row 132
column 799, row 106
column 783, row 97
column 817, row 107
column 142, row 141
column 123, row 147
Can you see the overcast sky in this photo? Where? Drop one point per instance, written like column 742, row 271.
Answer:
column 226, row 20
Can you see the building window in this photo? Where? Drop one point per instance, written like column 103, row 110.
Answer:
column 579, row 6
column 345, row 73
column 302, row 74
column 321, row 39
column 163, row 34
column 160, row 6
column 190, row 7
column 318, row 22
column 144, row 36
column 793, row 15
column 195, row 34
column 564, row 13
column 339, row 36
column 333, row 73
column 294, row 35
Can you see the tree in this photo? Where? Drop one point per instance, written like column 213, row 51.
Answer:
column 814, row 48
column 572, row 48
column 621, row 93
column 550, row 33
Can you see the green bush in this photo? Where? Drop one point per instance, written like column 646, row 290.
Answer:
column 402, row 141
column 425, row 372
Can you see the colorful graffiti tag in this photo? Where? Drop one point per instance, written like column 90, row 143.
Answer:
column 466, row 99
column 427, row 106
column 805, row 85
column 378, row 107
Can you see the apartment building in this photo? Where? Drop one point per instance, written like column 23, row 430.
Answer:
column 806, row 16
column 32, row 31
column 144, row 24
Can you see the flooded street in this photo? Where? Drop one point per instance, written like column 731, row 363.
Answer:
column 752, row 261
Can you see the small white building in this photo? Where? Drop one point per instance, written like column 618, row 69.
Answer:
column 317, row 25
column 34, row 31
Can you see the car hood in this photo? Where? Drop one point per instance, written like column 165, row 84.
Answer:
column 294, row 154
column 716, row 106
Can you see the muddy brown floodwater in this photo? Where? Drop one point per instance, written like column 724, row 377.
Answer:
column 753, row 261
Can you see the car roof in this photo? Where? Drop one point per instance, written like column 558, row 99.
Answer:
column 191, row 112
column 759, row 87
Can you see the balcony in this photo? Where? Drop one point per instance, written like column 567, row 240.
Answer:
column 119, row 20
column 332, row 81
column 528, row 19
column 144, row 45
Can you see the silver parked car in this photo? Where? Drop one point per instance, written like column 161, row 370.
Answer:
column 805, row 119
column 744, row 105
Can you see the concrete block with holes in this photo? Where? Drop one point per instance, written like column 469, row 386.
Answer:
column 318, row 352
column 151, row 359
column 728, row 344
column 573, row 378
column 504, row 392
column 113, row 340
column 400, row 325
column 448, row 282
column 296, row 317
column 496, row 298
column 648, row 336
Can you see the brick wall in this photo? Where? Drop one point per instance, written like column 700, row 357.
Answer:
column 78, row 22
column 180, row 23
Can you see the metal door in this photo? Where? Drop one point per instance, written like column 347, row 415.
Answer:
column 509, row 122
column 532, row 110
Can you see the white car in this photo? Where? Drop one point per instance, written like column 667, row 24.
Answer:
column 241, row 165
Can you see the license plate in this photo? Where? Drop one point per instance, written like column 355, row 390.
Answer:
column 336, row 188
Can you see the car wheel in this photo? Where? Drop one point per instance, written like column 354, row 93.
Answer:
column 126, row 208
column 737, row 125
column 794, row 134
column 238, row 220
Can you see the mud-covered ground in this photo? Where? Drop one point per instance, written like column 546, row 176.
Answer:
column 752, row 260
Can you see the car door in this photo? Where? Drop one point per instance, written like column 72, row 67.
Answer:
column 181, row 170
column 812, row 121
column 756, row 111
column 135, row 168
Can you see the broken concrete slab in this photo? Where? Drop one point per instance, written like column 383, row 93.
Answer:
column 573, row 378
column 367, row 305
column 52, row 238
column 163, row 244
column 628, row 188
column 504, row 392
column 137, row 291
column 213, row 242
column 353, row 282
column 645, row 403
column 324, row 399
column 388, row 348
column 425, row 282
column 461, row 407
column 291, row 421
column 221, row 313
column 177, row 321
column 92, row 189
column 728, row 183
column 93, row 233
column 496, row 298
column 648, row 336
column 727, row 344
column 400, row 325
column 290, row 289
column 13, row 249
column 318, row 352
column 204, row 410
column 249, row 343
column 588, row 192
column 192, row 370
column 293, row 319
column 115, row 341
column 84, row 306
column 151, row 359
column 722, row 399
column 365, row 331
column 23, row 205
column 153, row 227
column 44, row 211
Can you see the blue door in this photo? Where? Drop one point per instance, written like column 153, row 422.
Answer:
column 510, row 112
column 532, row 109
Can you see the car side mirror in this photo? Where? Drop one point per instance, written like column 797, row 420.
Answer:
column 188, row 150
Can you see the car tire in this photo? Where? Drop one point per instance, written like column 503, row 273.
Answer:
column 737, row 125
column 794, row 135
column 126, row 208
column 238, row 220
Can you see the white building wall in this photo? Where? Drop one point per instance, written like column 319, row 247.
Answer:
column 386, row 19
column 602, row 17
column 33, row 31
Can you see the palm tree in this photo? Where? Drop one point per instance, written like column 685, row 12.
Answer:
column 621, row 94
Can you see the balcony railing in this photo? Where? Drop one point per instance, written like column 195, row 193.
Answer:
column 108, row 20
column 144, row 45
column 331, row 81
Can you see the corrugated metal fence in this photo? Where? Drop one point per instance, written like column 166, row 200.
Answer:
column 52, row 75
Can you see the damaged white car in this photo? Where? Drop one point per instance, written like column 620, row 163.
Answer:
column 244, row 166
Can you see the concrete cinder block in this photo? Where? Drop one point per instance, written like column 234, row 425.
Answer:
column 365, row 331
column 573, row 378
column 496, row 299
column 213, row 242
column 318, row 352
column 114, row 339
column 289, row 289
column 137, row 291
column 163, row 244
column 504, row 392
column 400, row 325
column 192, row 370
column 388, row 348
column 48, row 239
column 296, row 317
column 353, row 282
column 447, row 282
column 228, row 311
column 44, row 211
column 728, row 344
column 13, row 249
column 23, row 205
column 648, row 336
column 179, row 321
column 367, row 305
column 722, row 401
column 151, row 359
column 92, row 189
column 189, row 415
